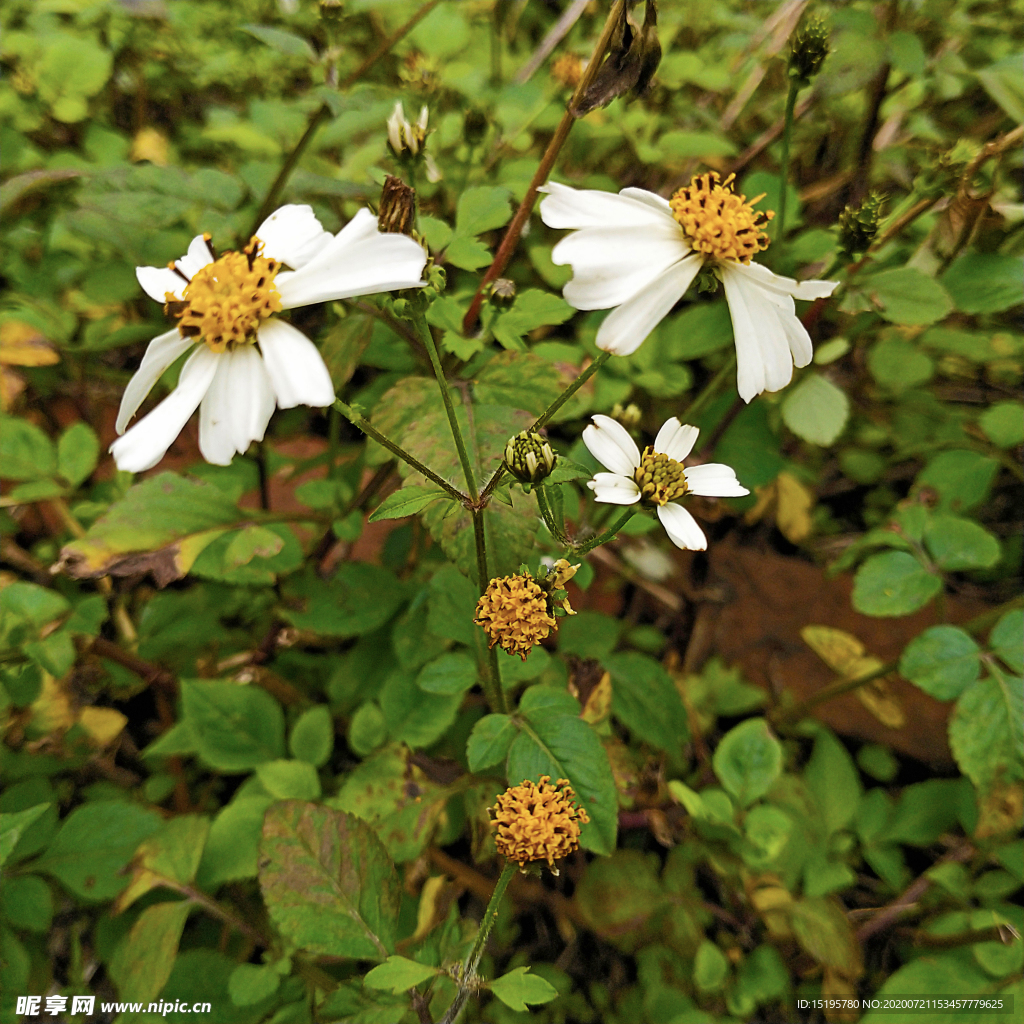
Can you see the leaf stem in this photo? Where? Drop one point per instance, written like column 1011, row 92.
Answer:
column 435, row 360
column 515, row 228
column 364, row 425
column 607, row 535
column 467, row 977
column 787, row 131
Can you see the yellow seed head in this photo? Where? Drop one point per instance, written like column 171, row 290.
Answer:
column 226, row 301
column 514, row 614
column 659, row 478
column 538, row 822
column 719, row 223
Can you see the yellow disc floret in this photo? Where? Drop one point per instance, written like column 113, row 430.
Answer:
column 538, row 822
column 719, row 223
column 514, row 613
column 659, row 478
column 226, row 301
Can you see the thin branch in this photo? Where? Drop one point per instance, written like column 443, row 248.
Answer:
column 555, row 35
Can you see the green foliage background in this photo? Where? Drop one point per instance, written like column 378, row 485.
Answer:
column 241, row 749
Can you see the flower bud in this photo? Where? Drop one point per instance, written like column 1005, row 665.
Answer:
column 403, row 137
column 529, row 458
column 501, row 291
column 629, row 416
column 859, row 225
column 809, row 48
column 397, row 212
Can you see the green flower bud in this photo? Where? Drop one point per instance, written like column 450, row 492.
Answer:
column 809, row 48
column 859, row 225
column 502, row 291
column 529, row 458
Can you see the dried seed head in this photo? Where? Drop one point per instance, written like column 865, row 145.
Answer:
column 537, row 822
column 397, row 212
column 808, row 49
column 514, row 613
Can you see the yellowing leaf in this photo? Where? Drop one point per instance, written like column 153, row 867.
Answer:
column 841, row 651
column 22, row 344
column 11, row 385
column 150, row 144
column 102, row 724
column 599, row 703
column 793, row 515
column 52, row 710
column 878, row 698
column 432, row 907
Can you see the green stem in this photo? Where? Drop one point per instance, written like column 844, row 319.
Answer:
column 364, row 425
column 550, row 411
column 468, row 974
column 435, row 360
column 549, row 515
column 607, row 535
column 491, row 676
column 787, row 130
column 710, row 389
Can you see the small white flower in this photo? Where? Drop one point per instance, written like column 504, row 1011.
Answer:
column 405, row 136
column 657, row 476
column 639, row 253
column 244, row 360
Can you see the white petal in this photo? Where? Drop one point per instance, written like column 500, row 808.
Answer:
column 297, row 371
column 652, row 199
column 675, row 439
column 682, row 528
column 763, row 358
column 609, row 442
column 714, row 480
column 359, row 261
column 237, row 407
column 293, row 235
column 197, row 257
column 161, row 352
column 610, row 265
column 625, row 328
column 565, row 207
column 157, row 281
column 147, row 442
column 614, row 489
column 787, row 285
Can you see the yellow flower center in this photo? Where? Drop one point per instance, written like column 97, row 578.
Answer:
column 659, row 478
column 719, row 223
column 538, row 822
column 225, row 302
column 514, row 614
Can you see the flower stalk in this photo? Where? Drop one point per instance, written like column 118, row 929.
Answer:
column 787, row 131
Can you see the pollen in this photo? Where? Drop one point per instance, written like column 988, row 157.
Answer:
column 226, row 301
column 659, row 478
column 538, row 822
column 719, row 223
column 514, row 613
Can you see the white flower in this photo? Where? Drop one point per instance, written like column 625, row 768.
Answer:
column 405, row 136
column 244, row 360
column 657, row 476
column 639, row 253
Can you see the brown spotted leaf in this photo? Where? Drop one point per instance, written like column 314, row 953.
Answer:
column 328, row 882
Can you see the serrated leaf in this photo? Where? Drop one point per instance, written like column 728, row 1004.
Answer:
column 327, row 881
column 451, row 673
column 984, row 282
column 958, row 544
column 943, row 661
column 481, row 208
column 816, row 410
column 489, row 741
column 467, row 253
column 170, row 855
column 1005, row 639
column 398, row 974
column 646, row 700
column 986, row 732
column 250, row 542
column 78, row 451
column 143, row 961
column 519, row 988
column 357, row 599
column 748, row 760
column 26, row 453
column 907, row 296
column 893, row 583
column 406, row 502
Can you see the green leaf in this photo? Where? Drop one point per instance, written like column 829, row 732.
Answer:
column 748, row 760
column 1004, row 424
column 398, row 974
column 73, row 67
column 1005, row 639
column 437, row 233
column 452, row 606
column 816, row 410
column 943, row 661
column 822, row 928
column 519, row 988
column 556, row 743
column 235, row 727
column 893, row 583
column 448, row 674
column 289, row 780
column 489, row 741
column 95, row 842
column 532, row 308
column 957, row 544
column 367, row 729
column 519, row 380
column 961, row 478
column 252, row 983
column 172, row 854
column 699, row 329
column 710, row 967
column 413, row 715
column 283, row 42
column 406, row 502
column 312, row 736
column 767, row 829
column 588, row 635
column 328, row 882
column 13, row 825
column 695, row 145
column 907, row 296
column 467, row 253
column 78, row 451
column 232, row 846
column 35, row 604
column 986, row 732
column 26, row 453
column 907, row 53
column 249, row 542
column 646, row 700
column 482, row 208
column 985, row 282
column 26, row 901
column 143, row 960
column 357, row 599
column 899, row 365
column 832, row 778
